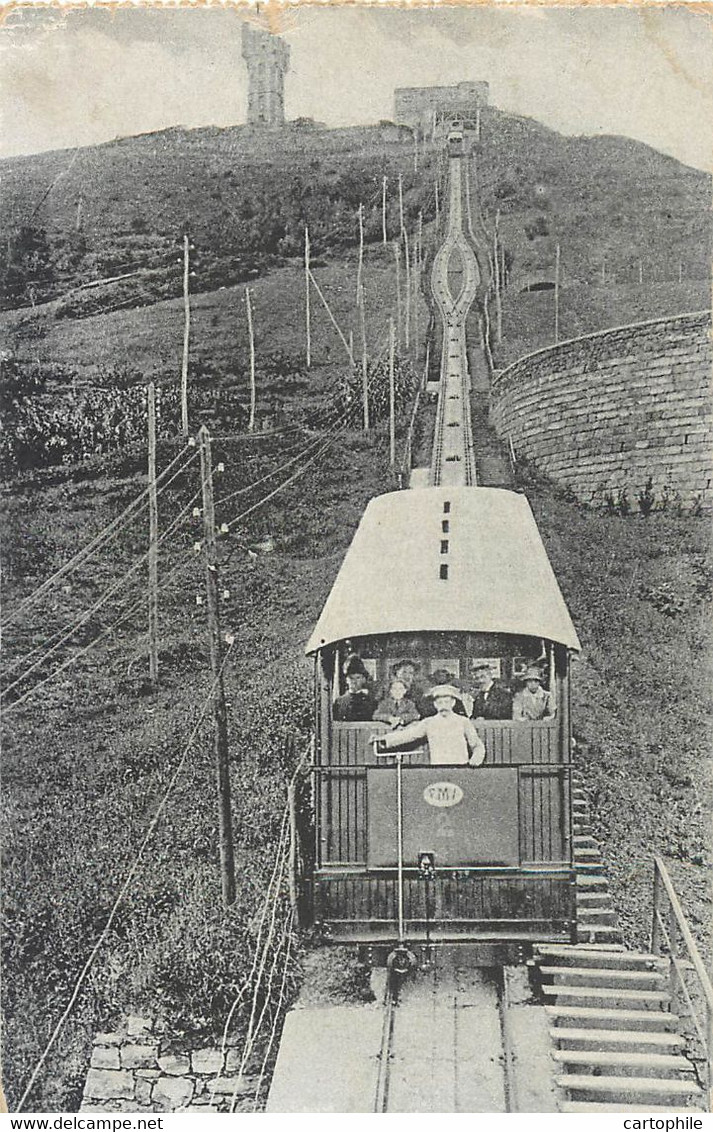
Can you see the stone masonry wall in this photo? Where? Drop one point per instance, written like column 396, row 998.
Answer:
column 136, row 1070
column 607, row 411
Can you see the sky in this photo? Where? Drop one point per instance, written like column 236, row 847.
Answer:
column 78, row 78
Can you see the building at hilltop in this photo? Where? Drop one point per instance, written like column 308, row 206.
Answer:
column 432, row 110
column 268, row 60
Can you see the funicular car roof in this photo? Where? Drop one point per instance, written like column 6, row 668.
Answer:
column 499, row 576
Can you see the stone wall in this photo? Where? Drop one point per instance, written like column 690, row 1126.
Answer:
column 605, row 412
column 134, row 1069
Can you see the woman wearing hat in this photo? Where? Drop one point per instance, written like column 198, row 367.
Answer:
column 533, row 702
column 452, row 739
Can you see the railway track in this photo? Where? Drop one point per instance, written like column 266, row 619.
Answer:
column 442, row 1043
column 453, row 457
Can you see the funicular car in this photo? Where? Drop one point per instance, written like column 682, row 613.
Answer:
column 405, row 850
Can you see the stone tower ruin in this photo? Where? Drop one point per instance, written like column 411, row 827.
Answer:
column 267, row 58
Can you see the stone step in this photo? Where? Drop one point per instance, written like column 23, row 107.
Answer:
column 588, row 880
column 585, row 897
column 622, row 1063
column 585, row 841
column 587, row 853
column 608, row 996
column 605, row 977
column 599, row 1106
column 634, row 1041
column 598, row 957
column 585, row 867
column 581, row 827
column 600, row 1018
column 630, row 1088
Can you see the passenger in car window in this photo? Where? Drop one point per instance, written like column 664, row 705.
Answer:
column 452, row 739
column 396, row 708
column 532, row 702
column 491, row 698
column 464, row 703
column 357, row 703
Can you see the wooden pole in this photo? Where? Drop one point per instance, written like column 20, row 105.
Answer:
column 153, row 537
column 308, row 322
column 383, row 211
column 415, row 150
column 78, row 222
column 392, row 395
column 186, row 336
column 220, row 715
column 401, row 203
column 360, row 265
column 251, row 338
column 364, row 363
column 407, row 264
column 292, row 878
column 557, row 294
column 416, row 278
column 438, row 208
column 420, row 238
column 397, row 257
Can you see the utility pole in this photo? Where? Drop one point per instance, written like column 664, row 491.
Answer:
column 153, row 537
column 392, row 396
column 407, row 264
column 438, row 209
column 186, row 336
column 78, row 221
column 477, row 124
column 401, row 203
column 251, row 338
column 364, row 363
column 308, row 324
column 416, row 280
column 420, row 238
column 383, row 211
column 360, row 265
column 397, row 257
column 557, row 294
column 415, row 150
column 220, row 715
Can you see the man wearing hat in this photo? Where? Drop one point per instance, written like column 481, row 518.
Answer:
column 452, row 739
column 491, row 699
column 357, row 704
column 533, row 702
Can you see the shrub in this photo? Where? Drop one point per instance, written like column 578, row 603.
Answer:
column 647, row 498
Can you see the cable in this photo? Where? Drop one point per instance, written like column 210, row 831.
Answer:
column 62, row 635
column 103, row 535
column 123, row 890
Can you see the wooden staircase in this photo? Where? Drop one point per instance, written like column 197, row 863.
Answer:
column 615, row 1041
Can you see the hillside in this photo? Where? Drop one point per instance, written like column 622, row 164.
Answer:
column 93, row 213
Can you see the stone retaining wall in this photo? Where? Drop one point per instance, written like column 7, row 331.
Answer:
column 605, row 412
column 135, row 1070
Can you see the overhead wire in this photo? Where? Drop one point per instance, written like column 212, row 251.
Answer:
column 121, row 520
column 63, row 634
column 124, row 888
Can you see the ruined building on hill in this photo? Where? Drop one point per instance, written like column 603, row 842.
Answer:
column 268, row 60
column 433, row 110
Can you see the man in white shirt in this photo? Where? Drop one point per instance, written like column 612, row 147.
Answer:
column 452, row 739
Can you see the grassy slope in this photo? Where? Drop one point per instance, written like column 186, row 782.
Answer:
column 639, row 591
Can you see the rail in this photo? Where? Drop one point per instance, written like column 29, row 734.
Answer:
column 669, row 929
